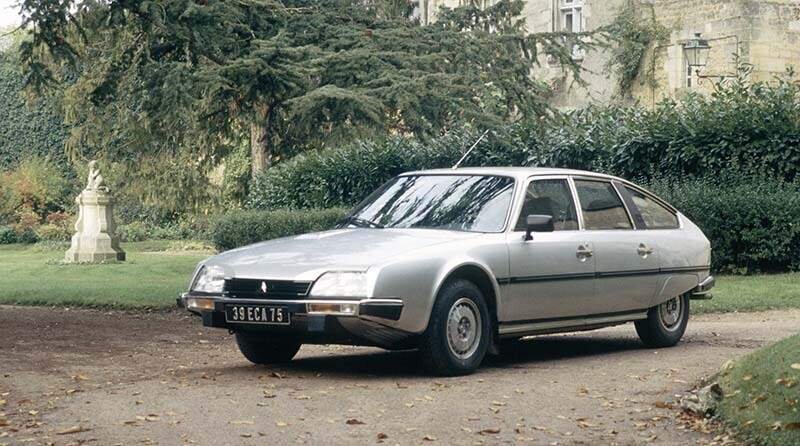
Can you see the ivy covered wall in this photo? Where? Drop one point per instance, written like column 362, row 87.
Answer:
column 26, row 130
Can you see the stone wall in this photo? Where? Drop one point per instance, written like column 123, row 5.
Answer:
column 763, row 33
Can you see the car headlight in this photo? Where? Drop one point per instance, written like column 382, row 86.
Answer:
column 210, row 279
column 341, row 284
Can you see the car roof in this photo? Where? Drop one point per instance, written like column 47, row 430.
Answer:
column 517, row 172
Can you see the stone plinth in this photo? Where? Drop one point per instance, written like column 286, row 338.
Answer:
column 94, row 240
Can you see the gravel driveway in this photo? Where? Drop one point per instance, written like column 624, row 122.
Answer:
column 105, row 378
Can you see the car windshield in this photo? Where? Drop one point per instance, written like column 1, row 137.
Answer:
column 474, row 203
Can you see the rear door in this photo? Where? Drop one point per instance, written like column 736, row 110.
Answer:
column 627, row 261
column 679, row 267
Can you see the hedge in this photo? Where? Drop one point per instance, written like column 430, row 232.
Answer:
column 753, row 223
column 245, row 227
column 753, row 129
column 344, row 176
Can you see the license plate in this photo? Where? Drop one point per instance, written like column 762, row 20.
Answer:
column 257, row 314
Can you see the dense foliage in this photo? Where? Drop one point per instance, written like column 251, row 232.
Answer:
column 246, row 227
column 26, row 129
column 751, row 129
column 342, row 177
column 753, row 223
column 166, row 88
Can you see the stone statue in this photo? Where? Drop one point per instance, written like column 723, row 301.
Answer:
column 94, row 240
column 95, row 180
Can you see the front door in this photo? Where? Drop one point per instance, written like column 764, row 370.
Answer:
column 552, row 275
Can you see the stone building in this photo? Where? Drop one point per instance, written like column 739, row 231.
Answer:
column 762, row 33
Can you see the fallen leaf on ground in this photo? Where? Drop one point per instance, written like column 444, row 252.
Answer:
column 795, row 366
column 242, row 422
column 382, row 436
column 281, row 424
column 791, row 426
column 353, row 421
column 73, row 430
column 276, row 375
column 489, row 431
column 498, row 403
column 429, row 438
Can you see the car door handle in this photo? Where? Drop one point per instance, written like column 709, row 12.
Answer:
column 584, row 251
column 644, row 250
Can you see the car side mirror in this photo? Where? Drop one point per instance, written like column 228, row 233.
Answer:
column 538, row 223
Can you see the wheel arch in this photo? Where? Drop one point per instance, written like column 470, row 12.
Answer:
column 482, row 278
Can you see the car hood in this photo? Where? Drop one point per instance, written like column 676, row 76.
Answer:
column 307, row 256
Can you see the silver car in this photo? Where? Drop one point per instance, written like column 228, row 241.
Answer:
column 457, row 262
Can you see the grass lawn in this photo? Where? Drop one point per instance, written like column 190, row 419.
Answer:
column 157, row 271
column 762, row 395
column 152, row 277
column 752, row 293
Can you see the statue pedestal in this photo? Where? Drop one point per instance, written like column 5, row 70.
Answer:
column 94, row 240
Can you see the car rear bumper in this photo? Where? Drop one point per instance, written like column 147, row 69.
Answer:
column 703, row 289
column 344, row 321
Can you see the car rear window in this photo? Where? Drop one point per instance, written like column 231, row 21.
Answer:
column 655, row 215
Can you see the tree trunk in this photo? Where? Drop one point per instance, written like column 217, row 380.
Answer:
column 260, row 151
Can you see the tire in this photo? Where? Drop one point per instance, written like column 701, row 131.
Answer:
column 260, row 350
column 451, row 345
column 663, row 327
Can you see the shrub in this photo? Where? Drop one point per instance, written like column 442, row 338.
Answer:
column 241, row 228
column 7, row 235
column 344, row 176
column 753, row 223
column 37, row 187
column 190, row 228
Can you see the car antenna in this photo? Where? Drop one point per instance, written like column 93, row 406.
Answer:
column 455, row 166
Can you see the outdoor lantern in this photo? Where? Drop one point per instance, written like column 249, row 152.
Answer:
column 696, row 51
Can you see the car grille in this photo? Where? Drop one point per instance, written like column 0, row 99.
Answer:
column 276, row 289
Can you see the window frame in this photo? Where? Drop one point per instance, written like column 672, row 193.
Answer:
column 521, row 202
column 610, row 182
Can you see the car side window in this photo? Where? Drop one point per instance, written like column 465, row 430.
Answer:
column 655, row 215
column 549, row 197
column 601, row 206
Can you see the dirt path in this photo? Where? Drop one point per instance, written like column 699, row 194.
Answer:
column 162, row 379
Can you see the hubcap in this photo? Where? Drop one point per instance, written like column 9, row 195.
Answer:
column 463, row 328
column 671, row 313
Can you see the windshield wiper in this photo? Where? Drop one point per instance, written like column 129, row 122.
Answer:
column 362, row 222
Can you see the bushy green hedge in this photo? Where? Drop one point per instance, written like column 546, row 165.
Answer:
column 245, row 227
column 753, row 223
column 344, row 176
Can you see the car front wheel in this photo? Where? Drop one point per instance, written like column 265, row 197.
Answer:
column 459, row 330
column 665, row 323
column 259, row 350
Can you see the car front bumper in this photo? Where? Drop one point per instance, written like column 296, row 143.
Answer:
column 322, row 321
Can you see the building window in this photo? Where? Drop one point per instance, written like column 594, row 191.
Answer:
column 691, row 76
column 571, row 13
column 570, row 19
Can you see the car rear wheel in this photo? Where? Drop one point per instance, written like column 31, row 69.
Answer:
column 259, row 350
column 459, row 330
column 665, row 323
